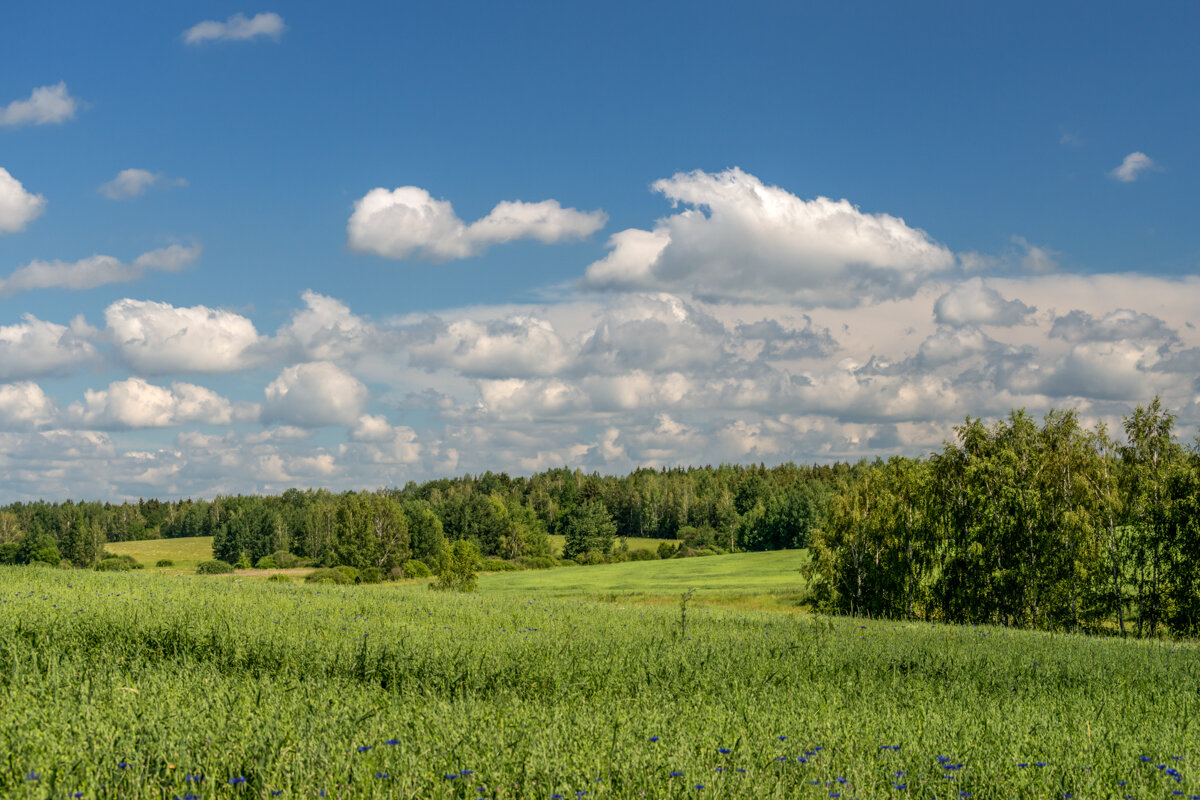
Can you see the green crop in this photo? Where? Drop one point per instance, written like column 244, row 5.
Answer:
column 122, row 685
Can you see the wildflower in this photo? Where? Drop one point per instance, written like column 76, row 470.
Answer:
column 362, row 748
column 122, row 765
column 382, row 775
column 392, row 742
column 676, row 774
column 900, row 786
column 654, row 738
column 699, row 786
column 466, row 772
column 781, row 738
column 237, row 780
column 450, row 776
column 723, row 750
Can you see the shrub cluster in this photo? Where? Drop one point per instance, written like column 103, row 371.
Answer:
column 214, row 567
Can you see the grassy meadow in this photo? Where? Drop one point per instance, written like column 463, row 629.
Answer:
column 155, row 685
column 185, row 552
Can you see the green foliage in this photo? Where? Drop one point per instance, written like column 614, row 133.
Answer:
column 164, row 562
column 279, row 579
column 351, row 574
column 285, row 560
column 459, row 568
column 328, row 575
column 243, row 561
column 589, row 529
column 112, row 565
column 414, row 568
column 214, row 567
column 497, row 565
column 538, row 562
column 370, row 575
column 266, row 562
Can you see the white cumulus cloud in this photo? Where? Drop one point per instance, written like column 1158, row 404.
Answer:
column 739, row 238
column 1132, row 167
column 239, row 27
column 131, row 183
column 409, row 222
column 158, row 338
column 135, row 403
column 24, row 405
column 46, row 105
column 975, row 303
column 314, row 394
column 36, row 348
column 17, row 207
column 96, row 270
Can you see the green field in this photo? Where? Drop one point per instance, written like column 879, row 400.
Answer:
column 186, row 553
column 121, row 685
column 767, row 580
column 635, row 543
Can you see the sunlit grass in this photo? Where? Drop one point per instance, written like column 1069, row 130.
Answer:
column 298, row 689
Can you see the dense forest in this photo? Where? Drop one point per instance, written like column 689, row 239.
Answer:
column 705, row 510
column 1050, row 526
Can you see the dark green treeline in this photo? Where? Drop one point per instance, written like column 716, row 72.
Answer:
column 707, row 510
column 1051, row 526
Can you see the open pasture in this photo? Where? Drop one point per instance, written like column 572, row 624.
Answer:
column 159, row 686
column 185, row 552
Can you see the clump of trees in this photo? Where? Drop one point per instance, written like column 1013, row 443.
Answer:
column 1052, row 526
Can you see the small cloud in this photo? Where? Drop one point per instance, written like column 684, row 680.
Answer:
column 17, row 207
column 96, row 270
column 1132, row 167
column 408, row 222
column 236, row 28
column 131, row 183
column 1038, row 260
column 47, row 105
column 1068, row 139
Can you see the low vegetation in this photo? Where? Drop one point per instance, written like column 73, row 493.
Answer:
column 397, row 691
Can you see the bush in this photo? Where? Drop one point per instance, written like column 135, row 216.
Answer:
column 590, row 558
column 8, row 552
column 244, row 561
column 164, row 562
column 266, row 562
column 371, row 575
column 351, row 573
column 285, row 560
column 666, row 550
column 414, row 568
column 642, row 554
column 497, row 565
column 112, row 565
column 279, row 579
column 538, row 562
column 568, row 562
column 111, row 562
column 459, row 567
column 214, row 567
column 328, row 575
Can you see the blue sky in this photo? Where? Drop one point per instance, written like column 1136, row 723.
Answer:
column 980, row 248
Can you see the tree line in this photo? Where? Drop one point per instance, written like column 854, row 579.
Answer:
column 702, row 509
column 1050, row 526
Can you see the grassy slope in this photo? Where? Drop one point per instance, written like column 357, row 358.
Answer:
column 186, row 553
column 769, row 580
column 556, row 543
column 743, row 580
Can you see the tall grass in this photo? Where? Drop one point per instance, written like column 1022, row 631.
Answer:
column 299, row 689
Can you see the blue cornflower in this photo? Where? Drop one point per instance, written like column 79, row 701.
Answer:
column 654, row 738
column 466, row 772
column 237, row 780
column 276, row 792
column 900, row 786
column 362, row 748
column 699, row 786
column 964, row 794
column 1120, row 783
column 556, row 797
column 122, row 765
column 818, row 747
column 720, row 769
column 781, row 738
column 781, row 758
column 382, row 775
column 899, row 773
column 392, row 742
column 1144, row 758
column 676, row 774
column 802, row 760
column 1040, row 764
column 450, row 776
column 77, row 794
column 193, row 778
column 742, row 771
column 1022, row 766
column 580, row 793
column 722, row 749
